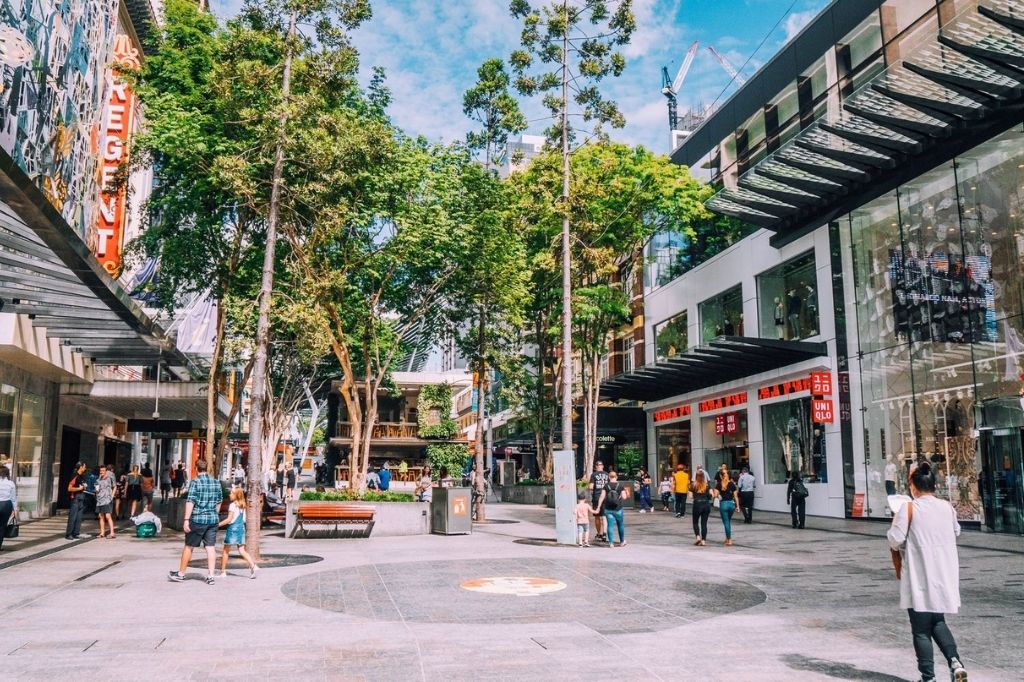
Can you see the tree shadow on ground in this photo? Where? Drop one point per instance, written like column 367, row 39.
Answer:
column 842, row 671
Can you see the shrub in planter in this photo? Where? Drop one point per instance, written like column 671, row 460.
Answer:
column 347, row 496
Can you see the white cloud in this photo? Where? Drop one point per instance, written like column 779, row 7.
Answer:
column 796, row 21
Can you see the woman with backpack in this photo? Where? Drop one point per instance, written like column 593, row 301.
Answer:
column 796, row 498
column 612, row 500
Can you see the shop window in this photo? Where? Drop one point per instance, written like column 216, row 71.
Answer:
column 792, row 442
column 667, row 257
column 627, row 354
column 670, row 337
column 8, row 414
column 787, row 300
column 722, row 315
column 726, row 441
column 673, row 447
column 29, row 453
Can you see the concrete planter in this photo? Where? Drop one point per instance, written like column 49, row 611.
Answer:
column 527, row 494
column 391, row 518
column 175, row 513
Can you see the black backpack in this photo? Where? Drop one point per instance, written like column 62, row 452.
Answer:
column 799, row 489
column 613, row 497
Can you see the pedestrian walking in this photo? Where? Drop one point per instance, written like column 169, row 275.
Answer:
column 665, row 488
column 290, row 476
column 148, row 486
column 725, row 490
column 165, row 483
column 235, row 535
column 613, row 499
column 643, row 485
column 280, row 482
column 681, row 487
column 178, row 482
column 76, row 489
column 89, row 498
column 120, row 496
column 702, row 494
column 746, row 485
column 105, row 501
column 796, row 498
column 583, row 512
column 201, row 518
column 924, row 531
column 134, row 488
column 598, row 481
column 8, row 502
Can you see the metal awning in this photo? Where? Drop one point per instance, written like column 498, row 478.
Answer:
column 48, row 273
column 725, row 359
column 184, row 400
column 968, row 80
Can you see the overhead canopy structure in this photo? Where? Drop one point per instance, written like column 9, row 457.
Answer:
column 177, row 400
column 725, row 359
column 48, row 273
column 968, row 80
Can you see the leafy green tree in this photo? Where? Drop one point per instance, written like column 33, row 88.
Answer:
column 575, row 43
column 490, row 104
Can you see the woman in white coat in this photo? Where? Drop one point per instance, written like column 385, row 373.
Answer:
column 924, row 531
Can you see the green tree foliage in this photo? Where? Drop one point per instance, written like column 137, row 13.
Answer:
column 451, row 456
column 493, row 108
column 433, row 412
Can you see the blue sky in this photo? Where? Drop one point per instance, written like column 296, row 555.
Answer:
column 431, row 48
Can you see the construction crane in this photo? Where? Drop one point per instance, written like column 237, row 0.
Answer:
column 740, row 80
column 671, row 88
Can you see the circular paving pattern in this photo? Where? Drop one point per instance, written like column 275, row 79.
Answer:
column 520, row 586
column 608, row 597
column 266, row 561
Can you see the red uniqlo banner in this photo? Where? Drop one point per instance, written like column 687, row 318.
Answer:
column 822, row 411
column 720, row 424
column 730, row 423
column 821, row 383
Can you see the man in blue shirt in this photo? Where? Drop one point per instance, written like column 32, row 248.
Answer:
column 385, row 477
column 201, row 518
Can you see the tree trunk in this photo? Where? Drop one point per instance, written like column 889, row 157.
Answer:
column 479, row 457
column 591, row 392
column 259, row 384
column 236, row 405
column 212, row 393
column 369, row 421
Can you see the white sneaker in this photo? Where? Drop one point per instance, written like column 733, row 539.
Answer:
column 222, row 574
column 253, row 571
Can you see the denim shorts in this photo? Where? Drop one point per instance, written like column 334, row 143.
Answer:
column 582, row 527
column 201, row 534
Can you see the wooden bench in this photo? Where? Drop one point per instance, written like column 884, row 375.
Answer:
column 335, row 516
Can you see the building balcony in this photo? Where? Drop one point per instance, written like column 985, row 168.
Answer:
column 382, row 431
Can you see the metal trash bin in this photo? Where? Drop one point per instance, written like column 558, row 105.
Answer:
column 451, row 511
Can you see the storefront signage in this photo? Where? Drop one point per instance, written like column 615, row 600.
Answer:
column 116, row 135
column 785, row 388
column 821, row 383
column 725, row 401
column 858, row 505
column 727, row 423
column 822, row 411
column 672, row 413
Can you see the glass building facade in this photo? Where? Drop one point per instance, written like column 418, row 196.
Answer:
column 936, row 313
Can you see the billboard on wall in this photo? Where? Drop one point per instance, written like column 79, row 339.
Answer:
column 118, row 121
column 52, row 97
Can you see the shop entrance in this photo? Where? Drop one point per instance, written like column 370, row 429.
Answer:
column 1001, row 479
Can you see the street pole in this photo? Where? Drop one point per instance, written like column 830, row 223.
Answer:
column 564, row 459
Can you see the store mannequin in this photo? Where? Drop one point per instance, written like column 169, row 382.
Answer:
column 780, row 319
column 793, row 306
column 811, row 304
column 728, row 329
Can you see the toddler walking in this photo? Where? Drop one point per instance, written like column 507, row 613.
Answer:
column 665, row 488
column 583, row 512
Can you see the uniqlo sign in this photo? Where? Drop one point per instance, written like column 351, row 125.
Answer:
column 822, row 411
column 821, row 383
column 720, row 424
column 730, row 423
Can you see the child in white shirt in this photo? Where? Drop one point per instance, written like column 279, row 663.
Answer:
column 665, row 488
column 583, row 512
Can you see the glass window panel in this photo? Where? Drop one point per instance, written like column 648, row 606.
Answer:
column 29, row 453
column 754, row 129
column 673, row 447
column 728, row 447
column 8, row 413
column 875, row 242
column 722, row 315
column 670, row 337
column 861, row 44
column 792, row 442
column 788, row 300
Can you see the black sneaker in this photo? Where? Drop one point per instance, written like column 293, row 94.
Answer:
column 210, row 580
column 175, row 577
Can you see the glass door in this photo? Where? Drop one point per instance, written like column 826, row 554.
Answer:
column 1001, row 478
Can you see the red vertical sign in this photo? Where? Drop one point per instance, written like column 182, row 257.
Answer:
column 821, row 383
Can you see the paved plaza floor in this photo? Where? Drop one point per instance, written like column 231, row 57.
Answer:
column 782, row 604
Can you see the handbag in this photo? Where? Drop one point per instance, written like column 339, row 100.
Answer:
column 12, row 530
column 897, row 555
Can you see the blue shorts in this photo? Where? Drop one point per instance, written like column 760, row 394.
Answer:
column 582, row 527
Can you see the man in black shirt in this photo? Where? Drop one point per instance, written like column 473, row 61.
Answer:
column 77, row 490
column 598, row 480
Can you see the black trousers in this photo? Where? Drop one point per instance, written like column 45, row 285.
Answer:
column 75, row 516
column 797, row 507
column 747, row 505
column 681, row 504
column 6, row 510
column 701, row 512
column 925, row 627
